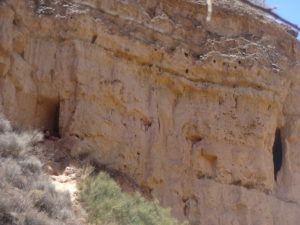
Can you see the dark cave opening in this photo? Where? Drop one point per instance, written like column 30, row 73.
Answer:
column 94, row 38
column 48, row 115
column 55, row 128
column 277, row 153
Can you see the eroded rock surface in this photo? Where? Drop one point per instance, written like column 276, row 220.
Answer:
column 188, row 109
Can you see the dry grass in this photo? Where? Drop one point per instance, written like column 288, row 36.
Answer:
column 27, row 197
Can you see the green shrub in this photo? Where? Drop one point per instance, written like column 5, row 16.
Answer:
column 107, row 204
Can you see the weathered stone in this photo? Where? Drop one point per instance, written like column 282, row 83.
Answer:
column 188, row 109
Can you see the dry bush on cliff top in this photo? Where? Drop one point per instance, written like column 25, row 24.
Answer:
column 27, row 196
column 259, row 2
column 107, row 204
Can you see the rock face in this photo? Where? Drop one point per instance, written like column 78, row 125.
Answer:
column 188, row 108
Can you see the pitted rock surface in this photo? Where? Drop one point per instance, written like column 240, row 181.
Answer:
column 187, row 108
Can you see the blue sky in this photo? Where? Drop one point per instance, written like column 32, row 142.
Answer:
column 288, row 9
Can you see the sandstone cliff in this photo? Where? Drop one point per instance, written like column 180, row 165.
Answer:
column 188, row 109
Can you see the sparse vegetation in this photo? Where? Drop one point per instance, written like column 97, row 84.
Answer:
column 27, row 196
column 107, row 204
column 259, row 2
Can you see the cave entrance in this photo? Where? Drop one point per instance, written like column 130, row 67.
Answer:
column 277, row 153
column 55, row 126
column 48, row 113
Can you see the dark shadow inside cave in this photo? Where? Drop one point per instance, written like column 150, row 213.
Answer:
column 55, row 127
column 277, row 153
column 47, row 117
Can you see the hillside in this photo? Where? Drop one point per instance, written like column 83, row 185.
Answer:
column 203, row 116
column 38, row 189
column 27, row 195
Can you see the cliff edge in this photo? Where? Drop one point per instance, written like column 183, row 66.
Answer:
column 205, row 116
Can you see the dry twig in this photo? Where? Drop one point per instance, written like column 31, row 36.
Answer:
column 270, row 12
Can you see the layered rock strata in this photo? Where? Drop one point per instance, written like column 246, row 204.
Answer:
column 188, row 108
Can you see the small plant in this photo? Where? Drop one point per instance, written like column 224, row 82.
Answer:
column 259, row 2
column 5, row 125
column 9, row 146
column 34, row 217
column 107, row 204
column 27, row 196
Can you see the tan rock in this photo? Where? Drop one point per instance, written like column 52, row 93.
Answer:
column 188, row 109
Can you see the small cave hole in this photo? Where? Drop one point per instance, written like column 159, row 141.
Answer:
column 239, row 62
column 22, row 54
column 269, row 107
column 187, row 71
column 277, row 153
column 186, row 54
column 214, row 61
column 221, row 100
column 185, row 207
column 52, row 73
column 151, row 12
column 16, row 22
column 56, row 121
column 171, row 50
column 195, row 138
column 237, row 182
column 94, row 38
column 200, row 175
column 147, row 124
